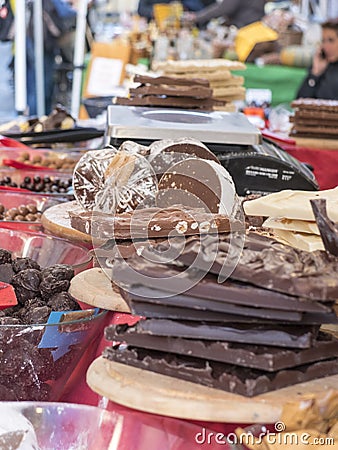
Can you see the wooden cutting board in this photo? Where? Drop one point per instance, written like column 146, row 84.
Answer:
column 327, row 144
column 159, row 394
column 95, row 288
column 56, row 221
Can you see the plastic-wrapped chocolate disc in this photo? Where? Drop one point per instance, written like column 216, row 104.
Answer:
column 88, row 176
column 198, row 183
column 90, row 172
column 163, row 154
column 130, row 182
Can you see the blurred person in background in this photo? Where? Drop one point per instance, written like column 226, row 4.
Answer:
column 145, row 7
column 234, row 12
column 59, row 18
column 322, row 78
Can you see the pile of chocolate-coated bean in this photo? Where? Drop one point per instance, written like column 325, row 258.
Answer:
column 25, row 213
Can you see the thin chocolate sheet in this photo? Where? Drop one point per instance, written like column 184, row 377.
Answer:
column 227, row 377
column 259, row 357
column 294, row 336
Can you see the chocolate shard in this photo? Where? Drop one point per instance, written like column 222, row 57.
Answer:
column 227, row 377
column 259, row 357
column 328, row 229
column 294, row 336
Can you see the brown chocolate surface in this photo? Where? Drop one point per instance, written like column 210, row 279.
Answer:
column 199, row 92
column 259, row 357
column 267, row 263
column 151, row 222
column 227, row 377
column 157, row 304
column 315, row 104
column 174, row 102
column 160, row 277
column 144, row 79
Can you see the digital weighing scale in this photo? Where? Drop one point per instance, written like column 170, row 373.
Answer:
column 255, row 164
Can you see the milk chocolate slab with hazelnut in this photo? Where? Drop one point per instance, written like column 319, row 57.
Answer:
column 152, row 223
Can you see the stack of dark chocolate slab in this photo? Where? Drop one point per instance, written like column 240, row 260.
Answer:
column 315, row 119
column 166, row 91
column 253, row 332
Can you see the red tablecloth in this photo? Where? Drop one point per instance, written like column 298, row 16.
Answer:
column 324, row 163
column 166, row 433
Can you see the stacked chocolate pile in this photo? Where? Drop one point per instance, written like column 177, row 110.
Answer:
column 166, row 91
column 226, row 87
column 255, row 332
column 315, row 118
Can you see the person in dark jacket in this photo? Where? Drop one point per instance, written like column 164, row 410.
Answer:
column 322, row 78
column 235, row 12
column 145, row 7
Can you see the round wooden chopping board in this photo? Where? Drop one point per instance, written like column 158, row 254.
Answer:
column 159, row 394
column 57, row 222
column 95, row 288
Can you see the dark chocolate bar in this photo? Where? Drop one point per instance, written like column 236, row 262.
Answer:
column 197, row 92
column 259, row 357
column 160, row 277
column 182, row 307
column 294, row 336
column 171, row 81
column 227, row 377
column 152, row 223
column 171, row 102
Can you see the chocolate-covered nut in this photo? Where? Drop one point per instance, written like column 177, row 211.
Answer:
column 20, row 264
column 6, row 273
column 51, row 285
column 9, row 321
column 59, row 271
column 12, row 213
column 38, row 315
column 2, row 209
column 26, row 284
column 24, row 156
column 31, row 217
column 63, row 301
column 22, row 209
column 5, row 256
column 32, row 208
column 20, row 218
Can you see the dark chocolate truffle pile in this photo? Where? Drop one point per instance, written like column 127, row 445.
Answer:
column 34, row 366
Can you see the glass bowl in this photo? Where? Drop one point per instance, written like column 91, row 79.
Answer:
column 66, row 426
column 17, row 178
column 45, row 250
column 10, row 200
column 42, row 362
